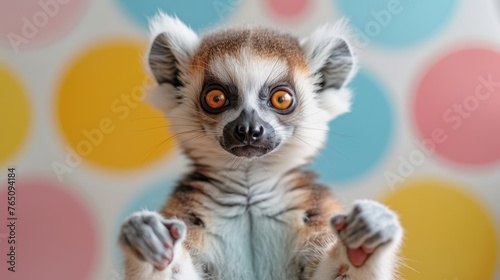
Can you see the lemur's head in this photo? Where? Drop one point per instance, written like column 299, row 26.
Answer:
column 250, row 94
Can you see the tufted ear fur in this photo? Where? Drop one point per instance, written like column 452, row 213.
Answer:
column 171, row 50
column 332, row 65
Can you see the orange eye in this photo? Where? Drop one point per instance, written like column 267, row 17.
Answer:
column 281, row 100
column 215, row 99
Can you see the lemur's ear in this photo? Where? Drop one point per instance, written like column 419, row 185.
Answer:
column 332, row 64
column 172, row 48
column 329, row 55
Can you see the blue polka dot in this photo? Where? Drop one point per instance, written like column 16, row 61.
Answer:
column 397, row 23
column 152, row 198
column 199, row 14
column 358, row 140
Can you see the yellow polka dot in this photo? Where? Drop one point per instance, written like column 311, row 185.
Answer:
column 101, row 111
column 448, row 235
column 14, row 115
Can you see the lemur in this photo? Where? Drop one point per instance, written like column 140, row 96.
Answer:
column 250, row 107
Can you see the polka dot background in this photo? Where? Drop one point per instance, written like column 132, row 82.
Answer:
column 460, row 237
column 198, row 14
column 31, row 23
column 15, row 112
column 423, row 135
column 459, row 96
column 57, row 235
column 288, row 10
column 396, row 23
column 358, row 140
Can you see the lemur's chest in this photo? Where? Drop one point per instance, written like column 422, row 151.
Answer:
column 253, row 246
column 257, row 241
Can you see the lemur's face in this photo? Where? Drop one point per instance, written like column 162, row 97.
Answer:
column 249, row 93
column 249, row 98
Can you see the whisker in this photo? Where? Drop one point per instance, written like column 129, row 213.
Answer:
column 325, row 145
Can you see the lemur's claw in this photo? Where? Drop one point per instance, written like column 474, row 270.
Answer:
column 368, row 227
column 152, row 238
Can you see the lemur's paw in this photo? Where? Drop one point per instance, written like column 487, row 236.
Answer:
column 150, row 237
column 368, row 228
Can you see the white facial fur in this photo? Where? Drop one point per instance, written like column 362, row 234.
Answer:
column 319, row 92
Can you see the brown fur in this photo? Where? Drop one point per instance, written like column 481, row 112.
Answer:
column 264, row 42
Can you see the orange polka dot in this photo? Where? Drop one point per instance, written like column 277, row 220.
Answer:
column 449, row 234
column 101, row 112
column 14, row 113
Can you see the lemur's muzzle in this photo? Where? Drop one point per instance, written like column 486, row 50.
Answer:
column 249, row 136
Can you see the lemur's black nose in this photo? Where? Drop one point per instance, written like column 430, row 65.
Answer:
column 249, row 132
column 247, row 128
column 249, row 136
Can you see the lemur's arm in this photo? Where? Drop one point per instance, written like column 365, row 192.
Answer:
column 153, row 248
column 368, row 240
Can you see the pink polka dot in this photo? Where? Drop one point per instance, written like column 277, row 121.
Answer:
column 457, row 107
column 27, row 24
column 56, row 237
column 288, row 8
